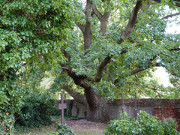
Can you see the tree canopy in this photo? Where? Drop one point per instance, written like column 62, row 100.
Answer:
column 118, row 43
column 101, row 47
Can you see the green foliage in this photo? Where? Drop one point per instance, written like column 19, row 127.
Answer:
column 64, row 129
column 29, row 31
column 7, row 124
column 149, row 124
column 169, row 126
column 144, row 125
column 35, row 111
column 124, row 125
column 33, row 34
column 147, row 44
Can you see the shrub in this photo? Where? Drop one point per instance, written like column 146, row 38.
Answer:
column 148, row 125
column 35, row 111
column 124, row 124
column 64, row 129
column 144, row 125
column 7, row 124
column 169, row 127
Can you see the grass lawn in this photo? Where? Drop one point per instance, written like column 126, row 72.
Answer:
column 44, row 130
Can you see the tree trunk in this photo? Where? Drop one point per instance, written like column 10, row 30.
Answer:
column 97, row 109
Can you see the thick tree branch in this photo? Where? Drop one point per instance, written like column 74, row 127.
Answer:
column 172, row 15
column 72, row 74
column 175, row 49
column 102, row 18
column 104, row 22
column 76, row 95
column 100, row 70
column 79, row 80
column 97, row 13
column 87, row 31
column 133, row 72
column 132, row 21
column 67, row 55
column 102, row 67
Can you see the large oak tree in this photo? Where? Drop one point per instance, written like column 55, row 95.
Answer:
column 114, row 44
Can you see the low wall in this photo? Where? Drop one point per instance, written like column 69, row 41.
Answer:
column 162, row 108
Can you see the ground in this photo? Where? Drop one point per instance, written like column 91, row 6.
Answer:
column 80, row 127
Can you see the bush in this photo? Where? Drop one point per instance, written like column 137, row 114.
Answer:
column 124, row 124
column 144, row 125
column 64, row 129
column 148, row 124
column 169, row 127
column 35, row 111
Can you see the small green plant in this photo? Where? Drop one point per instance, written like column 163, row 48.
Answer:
column 64, row 129
column 144, row 125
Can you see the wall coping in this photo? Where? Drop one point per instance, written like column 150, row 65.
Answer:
column 144, row 102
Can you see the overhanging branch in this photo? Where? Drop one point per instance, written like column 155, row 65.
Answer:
column 144, row 87
column 132, row 21
column 133, row 72
column 100, row 70
column 102, row 67
column 175, row 49
column 172, row 15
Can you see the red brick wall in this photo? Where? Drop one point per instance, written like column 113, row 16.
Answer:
column 168, row 111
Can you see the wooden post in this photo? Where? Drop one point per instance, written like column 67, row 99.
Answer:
column 62, row 106
column 123, row 107
column 135, row 107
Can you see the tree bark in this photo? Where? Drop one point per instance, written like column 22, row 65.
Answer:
column 97, row 110
column 76, row 95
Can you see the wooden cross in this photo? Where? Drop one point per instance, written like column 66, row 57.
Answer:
column 61, row 107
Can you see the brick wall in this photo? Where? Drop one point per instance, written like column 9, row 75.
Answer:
column 162, row 108
column 168, row 111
